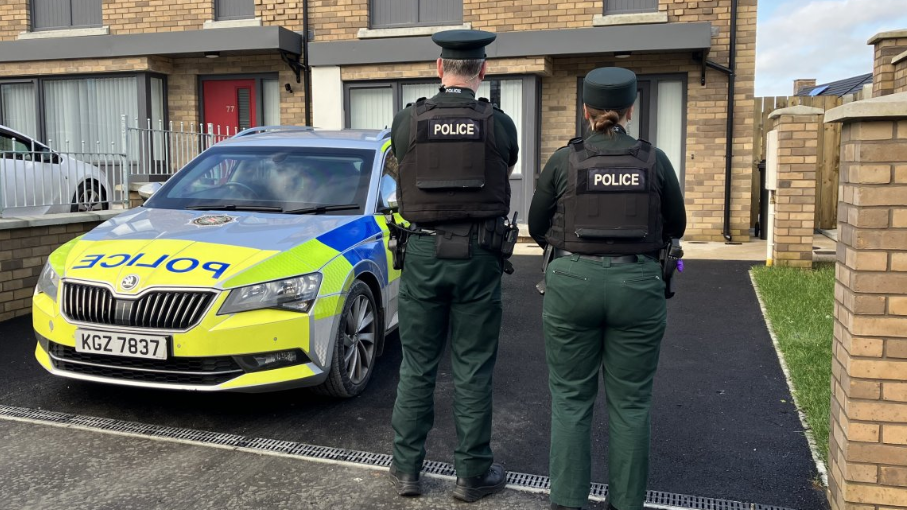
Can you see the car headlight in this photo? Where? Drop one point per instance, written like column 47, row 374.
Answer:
column 48, row 282
column 296, row 294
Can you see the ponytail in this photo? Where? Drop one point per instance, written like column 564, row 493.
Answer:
column 604, row 120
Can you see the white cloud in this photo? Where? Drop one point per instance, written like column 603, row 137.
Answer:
column 822, row 39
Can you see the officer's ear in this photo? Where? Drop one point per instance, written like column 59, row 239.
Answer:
column 586, row 115
column 440, row 69
column 630, row 113
column 483, row 69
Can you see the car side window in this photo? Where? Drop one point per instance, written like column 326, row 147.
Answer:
column 9, row 146
column 387, row 187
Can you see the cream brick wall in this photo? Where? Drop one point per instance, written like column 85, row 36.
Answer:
column 868, row 440
column 884, row 73
column 23, row 252
column 183, row 84
column 84, row 66
column 14, row 18
column 900, row 76
column 795, row 199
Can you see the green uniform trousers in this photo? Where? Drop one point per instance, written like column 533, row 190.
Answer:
column 464, row 295
column 598, row 315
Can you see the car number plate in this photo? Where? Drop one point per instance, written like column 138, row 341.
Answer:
column 121, row 344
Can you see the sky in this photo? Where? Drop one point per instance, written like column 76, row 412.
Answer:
column 821, row 39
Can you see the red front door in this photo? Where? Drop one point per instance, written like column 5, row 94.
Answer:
column 229, row 104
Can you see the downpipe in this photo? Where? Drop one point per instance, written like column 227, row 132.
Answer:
column 770, row 230
column 306, row 70
column 732, row 67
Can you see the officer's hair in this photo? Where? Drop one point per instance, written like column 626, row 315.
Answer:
column 466, row 68
column 605, row 120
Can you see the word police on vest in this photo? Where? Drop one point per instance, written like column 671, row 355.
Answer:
column 616, row 179
column 454, row 129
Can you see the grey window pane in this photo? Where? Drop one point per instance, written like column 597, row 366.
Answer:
column 630, row 6
column 234, row 9
column 402, row 13
column 86, row 13
column 51, row 14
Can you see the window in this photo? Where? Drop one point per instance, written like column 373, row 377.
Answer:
column 83, row 115
column 630, row 6
column 17, row 108
column 409, row 13
column 233, row 9
column 61, row 14
column 373, row 105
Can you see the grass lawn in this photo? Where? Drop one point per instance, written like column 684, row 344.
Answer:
column 800, row 306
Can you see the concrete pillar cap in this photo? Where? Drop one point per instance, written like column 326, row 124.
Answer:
column 891, row 34
column 890, row 107
column 796, row 110
column 898, row 58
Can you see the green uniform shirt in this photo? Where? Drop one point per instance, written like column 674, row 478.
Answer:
column 504, row 130
column 553, row 182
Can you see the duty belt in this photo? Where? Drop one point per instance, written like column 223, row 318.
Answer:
column 613, row 259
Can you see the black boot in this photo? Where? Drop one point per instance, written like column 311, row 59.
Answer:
column 555, row 506
column 477, row 487
column 405, row 483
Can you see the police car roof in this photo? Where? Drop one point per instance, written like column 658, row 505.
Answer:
column 293, row 136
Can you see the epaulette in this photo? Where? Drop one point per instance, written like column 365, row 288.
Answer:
column 414, row 102
column 493, row 105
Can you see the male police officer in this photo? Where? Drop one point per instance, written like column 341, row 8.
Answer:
column 607, row 205
column 455, row 155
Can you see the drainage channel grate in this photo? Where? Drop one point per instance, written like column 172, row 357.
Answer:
column 515, row 480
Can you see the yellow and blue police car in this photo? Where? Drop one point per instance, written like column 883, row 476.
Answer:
column 261, row 265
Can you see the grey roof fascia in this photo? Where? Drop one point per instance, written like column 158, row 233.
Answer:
column 582, row 41
column 164, row 43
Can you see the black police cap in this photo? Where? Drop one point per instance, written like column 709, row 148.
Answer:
column 609, row 88
column 463, row 44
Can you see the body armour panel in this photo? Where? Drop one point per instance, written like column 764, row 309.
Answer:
column 612, row 203
column 452, row 170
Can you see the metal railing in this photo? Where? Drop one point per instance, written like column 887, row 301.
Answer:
column 163, row 149
column 36, row 182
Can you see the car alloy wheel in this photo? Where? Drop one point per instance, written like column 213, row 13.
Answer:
column 89, row 197
column 359, row 339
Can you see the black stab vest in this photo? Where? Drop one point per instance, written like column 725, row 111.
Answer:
column 452, row 170
column 612, row 203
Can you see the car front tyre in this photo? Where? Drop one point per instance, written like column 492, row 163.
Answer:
column 355, row 346
column 90, row 196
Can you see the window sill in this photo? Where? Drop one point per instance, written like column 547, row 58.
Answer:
column 636, row 18
column 66, row 32
column 375, row 33
column 232, row 23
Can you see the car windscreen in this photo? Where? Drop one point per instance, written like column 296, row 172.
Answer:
column 278, row 179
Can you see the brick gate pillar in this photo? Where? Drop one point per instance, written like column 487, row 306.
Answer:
column 795, row 198
column 868, row 439
column 887, row 47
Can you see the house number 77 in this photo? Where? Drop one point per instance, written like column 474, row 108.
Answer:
column 231, row 108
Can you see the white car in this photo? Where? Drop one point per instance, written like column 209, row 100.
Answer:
column 36, row 180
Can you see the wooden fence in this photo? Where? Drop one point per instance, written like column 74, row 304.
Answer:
column 828, row 152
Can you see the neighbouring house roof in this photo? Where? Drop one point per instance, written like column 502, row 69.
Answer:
column 838, row 88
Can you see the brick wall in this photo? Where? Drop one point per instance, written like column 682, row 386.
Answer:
column 795, row 198
column 147, row 16
column 183, row 84
column 84, row 66
column 15, row 16
column 887, row 46
column 23, row 252
column 868, row 443
column 900, row 73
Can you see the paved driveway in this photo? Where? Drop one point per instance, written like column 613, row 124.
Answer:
column 724, row 425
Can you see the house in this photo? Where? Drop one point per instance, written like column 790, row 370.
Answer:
column 70, row 68
column 838, row 88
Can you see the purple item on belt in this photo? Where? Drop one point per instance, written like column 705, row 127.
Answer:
column 680, row 265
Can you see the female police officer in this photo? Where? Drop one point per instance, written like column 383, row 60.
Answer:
column 606, row 204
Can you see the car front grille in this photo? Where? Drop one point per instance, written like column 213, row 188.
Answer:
column 170, row 310
column 207, row 371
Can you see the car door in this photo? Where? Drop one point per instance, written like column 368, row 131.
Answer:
column 387, row 202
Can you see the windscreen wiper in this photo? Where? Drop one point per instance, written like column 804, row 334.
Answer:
column 234, row 207
column 321, row 209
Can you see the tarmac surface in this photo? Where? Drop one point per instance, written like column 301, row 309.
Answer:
column 724, row 423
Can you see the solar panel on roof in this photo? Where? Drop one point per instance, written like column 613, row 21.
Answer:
column 818, row 90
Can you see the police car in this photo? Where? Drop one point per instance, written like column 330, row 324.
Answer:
column 261, row 265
